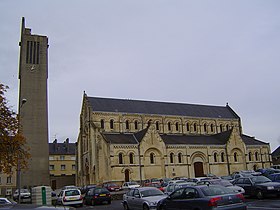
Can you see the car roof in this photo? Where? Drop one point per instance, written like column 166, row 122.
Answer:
column 145, row 188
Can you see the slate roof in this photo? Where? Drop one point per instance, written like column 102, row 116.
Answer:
column 62, row 148
column 173, row 139
column 217, row 139
column 249, row 140
column 160, row 108
column 120, row 138
column 276, row 153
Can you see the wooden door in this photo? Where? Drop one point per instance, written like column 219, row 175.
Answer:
column 198, row 169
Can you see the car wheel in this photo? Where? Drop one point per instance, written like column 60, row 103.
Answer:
column 145, row 207
column 161, row 207
column 259, row 194
column 109, row 202
column 125, row 206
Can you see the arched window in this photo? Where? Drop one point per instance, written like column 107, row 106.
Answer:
column 227, row 126
column 250, row 156
column 212, row 127
column 188, row 126
column 102, row 124
column 180, row 160
column 136, row 124
column 120, row 158
column 149, row 122
column 131, row 158
column 223, row 157
column 169, row 126
column 235, row 157
column 257, row 156
column 221, row 128
column 126, row 124
column 157, row 125
column 171, row 157
column 112, row 124
column 152, row 158
column 194, row 127
column 215, row 157
column 205, row 127
column 177, row 126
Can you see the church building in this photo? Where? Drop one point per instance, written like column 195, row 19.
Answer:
column 122, row 140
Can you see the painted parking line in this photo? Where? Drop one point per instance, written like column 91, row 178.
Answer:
column 261, row 207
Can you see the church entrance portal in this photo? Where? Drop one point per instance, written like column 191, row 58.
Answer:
column 198, row 169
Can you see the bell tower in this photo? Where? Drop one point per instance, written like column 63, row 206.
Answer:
column 33, row 90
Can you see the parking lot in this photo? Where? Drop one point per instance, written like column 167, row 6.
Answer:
column 254, row 204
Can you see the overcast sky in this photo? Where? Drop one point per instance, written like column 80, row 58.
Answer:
column 198, row 52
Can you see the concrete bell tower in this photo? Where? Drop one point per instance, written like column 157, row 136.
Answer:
column 33, row 89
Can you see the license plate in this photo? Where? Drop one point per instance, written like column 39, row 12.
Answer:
column 102, row 195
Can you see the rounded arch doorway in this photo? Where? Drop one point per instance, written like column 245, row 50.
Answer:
column 198, row 169
column 198, row 160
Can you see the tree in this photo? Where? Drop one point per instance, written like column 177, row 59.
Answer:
column 13, row 149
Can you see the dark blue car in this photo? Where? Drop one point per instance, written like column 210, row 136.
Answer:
column 203, row 197
column 274, row 177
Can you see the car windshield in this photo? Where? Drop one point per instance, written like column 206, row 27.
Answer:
column 215, row 190
column 132, row 183
column 223, row 183
column 101, row 190
column 112, row 185
column 24, row 191
column 260, row 179
column 151, row 192
column 72, row 192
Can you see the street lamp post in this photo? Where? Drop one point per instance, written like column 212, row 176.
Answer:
column 23, row 101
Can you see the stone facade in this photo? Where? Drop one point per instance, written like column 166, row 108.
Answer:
column 123, row 140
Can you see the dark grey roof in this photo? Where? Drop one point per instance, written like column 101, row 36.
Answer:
column 62, row 148
column 249, row 140
column 160, row 108
column 120, row 138
column 217, row 139
column 169, row 139
column 276, row 153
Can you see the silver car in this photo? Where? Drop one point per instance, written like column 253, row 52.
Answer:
column 144, row 198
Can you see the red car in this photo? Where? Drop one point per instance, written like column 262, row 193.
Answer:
column 111, row 187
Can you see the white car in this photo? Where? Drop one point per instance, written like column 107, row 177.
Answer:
column 6, row 201
column 70, row 197
column 25, row 195
column 130, row 185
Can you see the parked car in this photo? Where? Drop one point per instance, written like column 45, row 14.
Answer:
column 69, row 187
column 274, row 177
column 259, row 186
column 267, row 171
column 157, row 185
column 203, row 197
column 6, row 201
column 70, row 197
column 87, row 187
column 148, row 182
column 173, row 186
column 142, row 198
column 25, row 196
column 111, row 187
column 129, row 185
column 224, row 183
column 97, row 195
